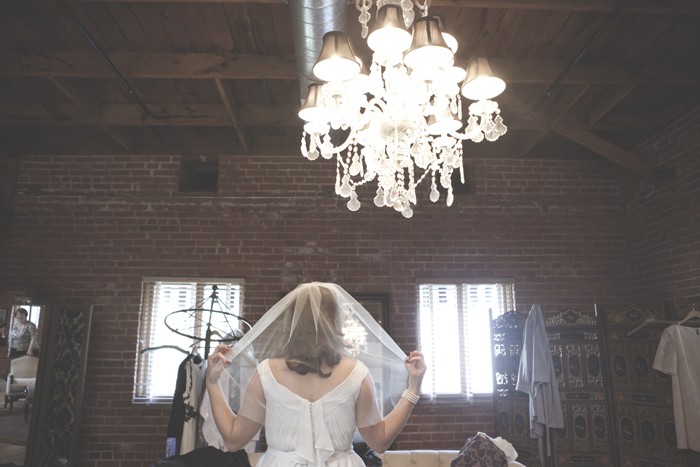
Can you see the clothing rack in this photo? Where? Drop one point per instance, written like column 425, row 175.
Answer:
column 216, row 306
column 159, row 347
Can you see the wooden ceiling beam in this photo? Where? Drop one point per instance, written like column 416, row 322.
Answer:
column 225, row 143
column 608, row 102
column 554, row 114
column 90, row 109
column 150, row 65
column 283, row 67
column 608, row 150
column 206, row 115
column 639, row 6
column 229, row 103
column 198, row 115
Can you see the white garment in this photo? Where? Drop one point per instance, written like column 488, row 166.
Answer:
column 320, row 433
column 678, row 355
column 536, row 377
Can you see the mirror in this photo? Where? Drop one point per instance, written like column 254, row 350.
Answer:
column 39, row 428
column 25, row 334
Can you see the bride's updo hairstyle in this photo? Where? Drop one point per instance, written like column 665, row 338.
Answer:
column 316, row 337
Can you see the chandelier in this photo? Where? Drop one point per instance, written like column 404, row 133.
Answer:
column 401, row 123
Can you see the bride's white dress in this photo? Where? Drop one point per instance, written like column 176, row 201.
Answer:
column 319, row 433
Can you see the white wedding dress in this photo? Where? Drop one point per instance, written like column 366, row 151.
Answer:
column 319, row 433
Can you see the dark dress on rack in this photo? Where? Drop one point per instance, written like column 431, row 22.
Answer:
column 181, row 411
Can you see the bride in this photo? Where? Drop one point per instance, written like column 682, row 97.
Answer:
column 317, row 367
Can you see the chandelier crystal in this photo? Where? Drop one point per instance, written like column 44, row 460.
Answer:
column 400, row 123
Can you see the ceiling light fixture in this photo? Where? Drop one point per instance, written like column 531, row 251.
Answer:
column 400, row 123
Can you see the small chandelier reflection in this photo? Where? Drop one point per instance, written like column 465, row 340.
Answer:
column 402, row 122
column 355, row 336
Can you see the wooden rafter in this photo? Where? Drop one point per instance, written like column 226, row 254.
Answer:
column 91, row 109
column 556, row 112
column 228, row 101
column 249, row 115
column 283, row 67
column 608, row 102
column 639, row 6
column 608, row 150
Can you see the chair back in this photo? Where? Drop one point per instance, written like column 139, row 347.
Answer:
column 24, row 367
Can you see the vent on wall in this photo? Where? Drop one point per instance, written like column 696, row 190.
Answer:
column 199, row 174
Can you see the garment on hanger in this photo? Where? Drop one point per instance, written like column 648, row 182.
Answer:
column 194, row 375
column 678, row 355
column 537, row 378
column 184, row 407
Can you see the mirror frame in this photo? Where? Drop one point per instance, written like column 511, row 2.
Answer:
column 58, row 396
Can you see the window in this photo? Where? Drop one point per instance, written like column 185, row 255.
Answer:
column 198, row 308
column 455, row 335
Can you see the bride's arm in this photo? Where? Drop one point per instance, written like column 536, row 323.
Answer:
column 379, row 436
column 236, row 431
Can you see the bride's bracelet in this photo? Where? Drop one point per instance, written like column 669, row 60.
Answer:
column 410, row 397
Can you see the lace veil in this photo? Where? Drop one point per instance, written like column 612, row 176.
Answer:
column 310, row 313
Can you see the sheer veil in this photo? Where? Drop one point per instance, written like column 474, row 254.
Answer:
column 330, row 308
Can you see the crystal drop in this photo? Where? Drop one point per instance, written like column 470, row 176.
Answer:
column 355, row 167
column 446, row 179
column 313, row 155
column 407, row 213
column 450, row 198
column 379, row 199
column 412, row 195
column 393, row 195
column 345, row 188
column 354, row 204
column 500, row 127
column 434, row 194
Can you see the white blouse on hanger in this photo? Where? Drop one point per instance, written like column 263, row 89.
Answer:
column 678, row 355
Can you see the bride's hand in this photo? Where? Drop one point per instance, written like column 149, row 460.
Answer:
column 217, row 361
column 415, row 363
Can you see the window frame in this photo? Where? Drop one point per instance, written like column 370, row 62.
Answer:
column 507, row 299
column 143, row 390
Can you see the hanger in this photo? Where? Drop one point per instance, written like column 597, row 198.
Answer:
column 647, row 322
column 693, row 313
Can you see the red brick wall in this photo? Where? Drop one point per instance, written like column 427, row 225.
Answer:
column 662, row 224
column 87, row 229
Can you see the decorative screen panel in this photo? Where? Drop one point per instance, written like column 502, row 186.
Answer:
column 574, row 337
column 511, row 406
column 643, row 402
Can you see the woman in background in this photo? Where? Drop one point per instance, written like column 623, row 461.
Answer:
column 23, row 336
column 312, row 388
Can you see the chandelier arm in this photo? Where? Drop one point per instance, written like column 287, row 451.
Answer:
column 460, row 136
column 336, row 149
column 376, row 102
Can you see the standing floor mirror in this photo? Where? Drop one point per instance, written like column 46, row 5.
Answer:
column 40, row 427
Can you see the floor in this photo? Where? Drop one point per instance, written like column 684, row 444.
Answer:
column 13, row 433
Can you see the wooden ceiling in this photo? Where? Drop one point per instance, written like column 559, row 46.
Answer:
column 586, row 78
